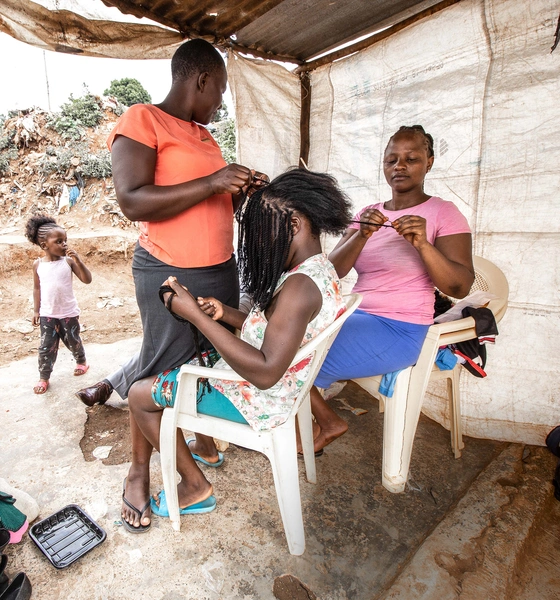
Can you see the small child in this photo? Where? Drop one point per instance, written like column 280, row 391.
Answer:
column 54, row 305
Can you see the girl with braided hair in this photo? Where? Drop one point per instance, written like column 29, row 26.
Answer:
column 296, row 294
column 401, row 249
column 54, row 305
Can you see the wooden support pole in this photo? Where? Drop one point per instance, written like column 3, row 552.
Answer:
column 305, row 118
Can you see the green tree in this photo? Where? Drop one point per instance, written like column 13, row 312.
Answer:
column 224, row 134
column 221, row 114
column 128, row 91
column 77, row 114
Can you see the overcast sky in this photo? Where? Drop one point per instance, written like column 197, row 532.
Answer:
column 24, row 81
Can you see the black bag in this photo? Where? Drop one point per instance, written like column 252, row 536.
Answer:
column 553, row 443
column 473, row 352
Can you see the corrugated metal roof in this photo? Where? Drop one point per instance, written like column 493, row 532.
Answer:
column 295, row 30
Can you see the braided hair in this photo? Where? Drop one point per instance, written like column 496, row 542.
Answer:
column 265, row 228
column 38, row 227
column 417, row 130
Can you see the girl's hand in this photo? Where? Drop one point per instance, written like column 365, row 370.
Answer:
column 212, row 307
column 412, row 228
column 72, row 253
column 375, row 217
column 183, row 302
column 36, row 319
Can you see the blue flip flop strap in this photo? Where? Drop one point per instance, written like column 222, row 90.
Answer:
column 202, row 460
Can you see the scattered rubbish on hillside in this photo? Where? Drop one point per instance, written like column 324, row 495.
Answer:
column 41, row 171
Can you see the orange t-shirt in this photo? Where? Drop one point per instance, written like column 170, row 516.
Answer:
column 202, row 235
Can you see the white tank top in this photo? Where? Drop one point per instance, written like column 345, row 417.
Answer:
column 57, row 297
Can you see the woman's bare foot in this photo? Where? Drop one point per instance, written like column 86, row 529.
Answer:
column 332, row 426
column 316, row 433
column 137, row 493
column 329, row 432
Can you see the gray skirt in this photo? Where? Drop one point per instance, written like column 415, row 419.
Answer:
column 166, row 342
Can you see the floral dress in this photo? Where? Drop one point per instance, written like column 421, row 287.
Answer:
column 265, row 409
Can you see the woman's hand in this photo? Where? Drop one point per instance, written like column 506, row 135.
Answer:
column 258, row 181
column 233, row 179
column 412, row 228
column 212, row 307
column 373, row 216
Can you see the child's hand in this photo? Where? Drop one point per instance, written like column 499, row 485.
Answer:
column 212, row 307
column 183, row 302
column 72, row 253
column 36, row 319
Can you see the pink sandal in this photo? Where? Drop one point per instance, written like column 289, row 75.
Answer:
column 81, row 369
column 41, row 387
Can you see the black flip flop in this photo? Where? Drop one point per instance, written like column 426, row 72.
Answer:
column 317, row 454
column 19, row 589
column 4, row 581
column 141, row 528
column 4, row 538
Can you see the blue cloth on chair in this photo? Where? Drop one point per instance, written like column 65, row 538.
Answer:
column 445, row 359
column 388, row 381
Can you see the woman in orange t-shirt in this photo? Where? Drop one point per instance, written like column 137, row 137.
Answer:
column 170, row 176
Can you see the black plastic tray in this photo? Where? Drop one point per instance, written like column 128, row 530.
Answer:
column 67, row 535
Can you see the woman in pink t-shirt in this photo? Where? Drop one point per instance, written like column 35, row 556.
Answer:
column 401, row 249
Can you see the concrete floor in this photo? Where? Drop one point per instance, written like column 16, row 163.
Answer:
column 359, row 536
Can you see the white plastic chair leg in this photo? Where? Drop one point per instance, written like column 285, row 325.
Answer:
column 305, row 425
column 283, row 459
column 168, row 456
column 402, row 412
column 455, row 412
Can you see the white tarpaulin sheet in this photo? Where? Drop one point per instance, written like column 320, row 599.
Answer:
column 480, row 77
column 267, row 101
column 85, row 27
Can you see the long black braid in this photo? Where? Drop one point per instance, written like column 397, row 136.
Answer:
column 37, row 228
column 265, row 235
column 417, row 129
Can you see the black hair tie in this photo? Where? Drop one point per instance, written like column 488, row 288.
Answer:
column 164, row 289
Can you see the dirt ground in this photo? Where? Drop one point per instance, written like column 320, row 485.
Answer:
column 109, row 313
column 108, row 306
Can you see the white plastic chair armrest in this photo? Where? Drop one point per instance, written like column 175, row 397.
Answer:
column 227, row 374
column 451, row 326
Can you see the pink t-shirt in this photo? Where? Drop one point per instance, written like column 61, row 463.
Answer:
column 391, row 275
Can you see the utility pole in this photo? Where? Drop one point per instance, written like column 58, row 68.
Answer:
column 47, row 80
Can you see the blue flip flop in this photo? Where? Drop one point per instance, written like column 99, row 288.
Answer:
column 205, row 506
column 198, row 458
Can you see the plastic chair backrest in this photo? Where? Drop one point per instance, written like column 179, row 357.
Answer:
column 489, row 278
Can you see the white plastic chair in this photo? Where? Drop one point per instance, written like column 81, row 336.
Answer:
column 402, row 411
column 279, row 444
